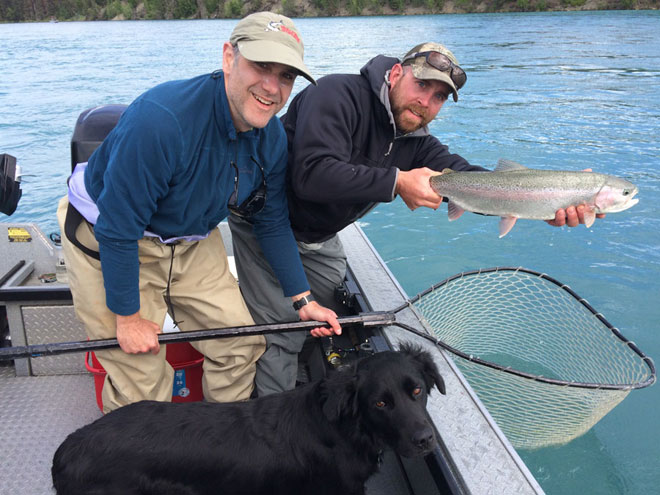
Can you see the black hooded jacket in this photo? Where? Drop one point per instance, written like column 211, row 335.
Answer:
column 344, row 151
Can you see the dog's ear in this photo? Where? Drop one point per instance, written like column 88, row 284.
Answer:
column 339, row 395
column 424, row 360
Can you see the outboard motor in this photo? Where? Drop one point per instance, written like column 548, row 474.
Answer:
column 92, row 126
column 10, row 184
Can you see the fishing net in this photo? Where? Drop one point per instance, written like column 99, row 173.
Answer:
column 543, row 361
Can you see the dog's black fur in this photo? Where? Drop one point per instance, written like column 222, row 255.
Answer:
column 323, row 438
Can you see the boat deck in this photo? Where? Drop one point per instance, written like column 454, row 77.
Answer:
column 44, row 399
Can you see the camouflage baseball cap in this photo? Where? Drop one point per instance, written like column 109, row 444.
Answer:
column 269, row 37
column 453, row 75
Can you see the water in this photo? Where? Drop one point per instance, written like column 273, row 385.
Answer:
column 553, row 90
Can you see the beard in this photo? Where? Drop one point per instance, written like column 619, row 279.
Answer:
column 407, row 123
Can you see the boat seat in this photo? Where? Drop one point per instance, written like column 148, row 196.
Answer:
column 92, row 126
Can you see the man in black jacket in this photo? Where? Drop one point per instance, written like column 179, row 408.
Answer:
column 354, row 141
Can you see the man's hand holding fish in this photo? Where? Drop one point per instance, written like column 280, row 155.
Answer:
column 413, row 187
column 573, row 215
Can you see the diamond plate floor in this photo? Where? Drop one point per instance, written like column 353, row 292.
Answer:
column 36, row 415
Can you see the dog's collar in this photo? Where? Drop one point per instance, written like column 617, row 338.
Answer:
column 379, row 458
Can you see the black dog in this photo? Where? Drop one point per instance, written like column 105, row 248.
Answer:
column 323, row 438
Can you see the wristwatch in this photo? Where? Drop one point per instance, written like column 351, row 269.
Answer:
column 302, row 302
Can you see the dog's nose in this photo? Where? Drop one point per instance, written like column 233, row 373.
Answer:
column 424, row 438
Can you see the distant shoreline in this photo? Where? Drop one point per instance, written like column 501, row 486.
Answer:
column 90, row 10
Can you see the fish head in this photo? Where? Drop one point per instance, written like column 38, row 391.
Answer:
column 616, row 195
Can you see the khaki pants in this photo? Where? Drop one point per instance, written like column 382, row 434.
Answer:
column 204, row 294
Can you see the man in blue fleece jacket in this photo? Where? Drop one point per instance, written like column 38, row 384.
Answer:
column 183, row 155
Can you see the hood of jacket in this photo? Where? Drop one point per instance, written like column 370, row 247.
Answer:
column 377, row 72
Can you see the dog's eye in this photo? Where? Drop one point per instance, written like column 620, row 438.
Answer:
column 416, row 391
column 380, row 404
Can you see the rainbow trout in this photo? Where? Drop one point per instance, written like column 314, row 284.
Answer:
column 513, row 191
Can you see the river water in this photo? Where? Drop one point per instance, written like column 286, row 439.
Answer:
column 568, row 90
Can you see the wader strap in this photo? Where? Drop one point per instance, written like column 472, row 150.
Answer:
column 71, row 222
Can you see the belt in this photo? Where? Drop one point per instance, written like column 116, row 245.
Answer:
column 73, row 219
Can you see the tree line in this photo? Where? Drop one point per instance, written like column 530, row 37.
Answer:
column 89, row 10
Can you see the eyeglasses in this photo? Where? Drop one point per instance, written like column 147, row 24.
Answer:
column 255, row 202
column 443, row 63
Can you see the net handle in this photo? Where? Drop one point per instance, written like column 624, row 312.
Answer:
column 40, row 350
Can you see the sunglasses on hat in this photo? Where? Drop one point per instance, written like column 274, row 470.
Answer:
column 442, row 63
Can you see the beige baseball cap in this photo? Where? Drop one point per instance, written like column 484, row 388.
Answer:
column 422, row 70
column 269, row 37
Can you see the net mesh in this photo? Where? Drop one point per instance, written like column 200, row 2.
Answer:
column 570, row 366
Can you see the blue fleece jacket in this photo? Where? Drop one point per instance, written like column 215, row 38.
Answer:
column 166, row 168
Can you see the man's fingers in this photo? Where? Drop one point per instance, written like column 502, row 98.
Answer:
column 572, row 216
column 325, row 332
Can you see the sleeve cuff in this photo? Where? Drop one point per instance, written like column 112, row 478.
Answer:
column 396, row 178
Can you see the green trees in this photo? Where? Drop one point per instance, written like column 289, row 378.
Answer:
column 118, row 9
column 233, row 8
column 185, row 9
column 64, row 10
column 155, row 9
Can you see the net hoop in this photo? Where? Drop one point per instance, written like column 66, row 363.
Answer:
column 552, row 381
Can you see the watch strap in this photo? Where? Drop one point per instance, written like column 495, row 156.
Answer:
column 303, row 301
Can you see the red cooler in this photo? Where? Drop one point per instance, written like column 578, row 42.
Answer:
column 185, row 360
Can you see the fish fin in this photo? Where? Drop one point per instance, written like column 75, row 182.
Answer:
column 506, row 224
column 446, row 171
column 589, row 217
column 454, row 211
column 504, row 165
